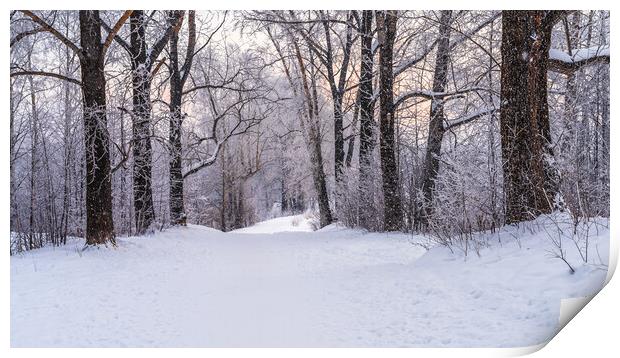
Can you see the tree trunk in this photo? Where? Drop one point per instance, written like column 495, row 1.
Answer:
column 142, row 153
column 318, row 175
column 178, row 76
column 177, row 210
column 14, row 221
column 34, row 144
column 351, row 143
column 318, row 172
column 366, row 113
column 67, row 146
column 99, row 224
column 223, row 206
column 67, row 151
column 386, row 29
column 337, row 88
column 436, row 127
column 313, row 139
column 529, row 179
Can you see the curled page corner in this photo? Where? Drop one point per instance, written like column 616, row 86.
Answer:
column 569, row 307
column 613, row 258
column 523, row 351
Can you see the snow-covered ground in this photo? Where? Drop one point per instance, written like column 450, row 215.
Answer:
column 268, row 285
column 278, row 225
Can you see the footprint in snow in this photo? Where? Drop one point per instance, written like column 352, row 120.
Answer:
column 476, row 294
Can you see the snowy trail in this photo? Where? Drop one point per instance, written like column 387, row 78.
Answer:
column 267, row 286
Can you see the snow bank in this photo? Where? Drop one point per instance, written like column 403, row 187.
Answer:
column 336, row 287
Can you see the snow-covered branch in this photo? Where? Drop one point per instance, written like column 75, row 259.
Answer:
column 560, row 61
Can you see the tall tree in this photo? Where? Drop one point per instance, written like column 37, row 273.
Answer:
column 386, row 30
column 99, row 225
column 178, row 76
column 337, row 86
column 142, row 61
column 436, row 127
column 91, row 52
column 143, row 67
column 366, row 111
column 529, row 178
column 314, row 139
column 309, row 116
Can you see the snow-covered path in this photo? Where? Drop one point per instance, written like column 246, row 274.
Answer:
column 264, row 286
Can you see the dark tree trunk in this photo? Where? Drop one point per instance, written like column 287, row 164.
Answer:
column 318, row 175
column 436, row 128
column 351, row 143
column 14, row 221
column 313, row 139
column 283, row 197
column 386, row 27
column 99, row 224
column 318, row 172
column 67, row 151
column 529, row 179
column 338, row 139
column 223, row 206
column 545, row 172
column 177, row 210
column 178, row 76
column 141, row 118
column 34, row 144
column 337, row 90
column 366, row 113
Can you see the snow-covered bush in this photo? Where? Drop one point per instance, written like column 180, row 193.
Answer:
column 361, row 204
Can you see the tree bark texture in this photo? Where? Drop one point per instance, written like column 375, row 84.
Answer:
column 436, row 128
column 386, row 28
column 99, row 224
column 529, row 178
column 144, row 213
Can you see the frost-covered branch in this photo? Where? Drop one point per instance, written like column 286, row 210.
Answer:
column 470, row 118
column 560, row 61
column 426, row 94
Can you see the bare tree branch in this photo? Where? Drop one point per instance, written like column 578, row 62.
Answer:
column 47, row 27
column 24, row 34
column 470, row 118
column 114, row 31
column 46, row 74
